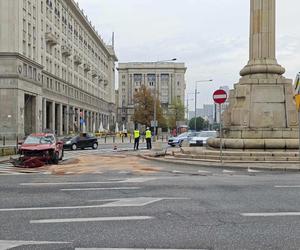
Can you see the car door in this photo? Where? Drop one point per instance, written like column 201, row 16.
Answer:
column 90, row 140
column 81, row 141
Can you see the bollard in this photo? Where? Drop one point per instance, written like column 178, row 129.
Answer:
column 130, row 138
column 105, row 139
column 122, row 139
column 114, row 139
column 17, row 141
column 3, row 140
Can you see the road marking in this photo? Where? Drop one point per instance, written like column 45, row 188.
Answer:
column 271, row 214
column 133, row 202
column 127, row 202
column 134, row 249
column 123, row 218
column 91, row 189
column 177, row 172
column 7, row 244
column 296, row 186
column 253, row 171
column 130, row 180
column 203, row 171
column 228, row 171
column 47, row 208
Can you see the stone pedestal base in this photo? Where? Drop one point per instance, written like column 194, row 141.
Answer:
column 261, row 114
column 262, row 144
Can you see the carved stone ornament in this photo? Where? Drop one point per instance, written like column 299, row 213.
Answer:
column 20, row 69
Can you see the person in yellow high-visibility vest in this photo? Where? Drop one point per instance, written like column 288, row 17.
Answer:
column 136, row 134
column 148, row 138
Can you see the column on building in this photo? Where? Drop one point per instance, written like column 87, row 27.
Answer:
column 39, row 114
column 72, row 120
column 44, row 106
column 52, row 116
column 78, row 120
column 60, row 120
column 67, row 115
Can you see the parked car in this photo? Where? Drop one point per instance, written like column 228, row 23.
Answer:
column 201, row 138
column 44, row 146
column 178, row 140
column 82, row 141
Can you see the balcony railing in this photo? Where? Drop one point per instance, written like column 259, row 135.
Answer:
column 77, row 59
column 87, row 67
column 51, row 38
column 66, row 50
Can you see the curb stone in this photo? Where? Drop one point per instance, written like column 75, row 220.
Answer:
column 252, row 165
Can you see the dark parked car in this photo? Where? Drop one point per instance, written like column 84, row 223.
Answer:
column 81, row 141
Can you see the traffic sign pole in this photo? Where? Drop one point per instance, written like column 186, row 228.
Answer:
column 220, row 96
column 221, row 134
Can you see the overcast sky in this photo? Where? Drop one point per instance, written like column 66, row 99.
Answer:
column 209, row 36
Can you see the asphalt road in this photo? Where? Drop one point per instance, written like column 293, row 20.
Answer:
column 169, row 207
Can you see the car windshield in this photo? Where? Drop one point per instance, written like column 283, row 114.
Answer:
column 183, row 135
column 39, row 140
column 207, row 134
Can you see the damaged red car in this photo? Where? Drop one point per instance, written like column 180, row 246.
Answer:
column 40, row 149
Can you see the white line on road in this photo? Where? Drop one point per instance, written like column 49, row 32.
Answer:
column 204, row 172
column 124, row 218
column 7, row 244
column 253, row 170
column 47, row 208
column 91, row 189
column 127, row 202
column 296, row 186
column 131, row 180
column 228, row 171
column 133, row 249
column 132, row 202
column 271, row 214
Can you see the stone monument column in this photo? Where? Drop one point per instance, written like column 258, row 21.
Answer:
column 261, row 112
column 262, row 51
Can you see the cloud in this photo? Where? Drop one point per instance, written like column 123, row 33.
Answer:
column 211, row 37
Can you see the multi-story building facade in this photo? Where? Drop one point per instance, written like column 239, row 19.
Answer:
column 56, row 72
column 166, row 79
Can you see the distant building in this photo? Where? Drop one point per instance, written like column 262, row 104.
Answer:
column 167, row 78
column 56, row 72
column 207, row 112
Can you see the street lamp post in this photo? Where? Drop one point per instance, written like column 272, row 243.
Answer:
column 187, row 104
column 155, row 123
column 210, row 80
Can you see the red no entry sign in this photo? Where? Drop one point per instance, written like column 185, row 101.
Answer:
column 220, row 96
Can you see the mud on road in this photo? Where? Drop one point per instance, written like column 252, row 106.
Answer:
column 99, row 163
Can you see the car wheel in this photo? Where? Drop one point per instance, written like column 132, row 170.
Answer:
column 74, row 146
column 95, row 145
column 180, row 143
column 62, row 155
column 55, row 158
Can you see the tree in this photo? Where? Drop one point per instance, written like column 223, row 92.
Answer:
column 201, row 123
column 144, row 107
column 176, row 113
